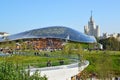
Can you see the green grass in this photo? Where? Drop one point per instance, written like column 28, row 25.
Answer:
column 37, row 61
column 103, row 63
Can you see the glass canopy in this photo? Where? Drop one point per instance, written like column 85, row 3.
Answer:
column 58, row 32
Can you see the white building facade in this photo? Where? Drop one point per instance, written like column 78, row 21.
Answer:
column 115, row 35
column 92, row 29
column 2, row 34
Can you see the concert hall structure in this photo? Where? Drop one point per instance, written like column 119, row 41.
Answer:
column 52, row 37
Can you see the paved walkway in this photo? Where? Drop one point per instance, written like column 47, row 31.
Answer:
column 64, row 72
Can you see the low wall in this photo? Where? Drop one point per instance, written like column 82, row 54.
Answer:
column 64, row 72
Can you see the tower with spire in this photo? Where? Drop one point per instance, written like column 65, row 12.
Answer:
column 92, row 29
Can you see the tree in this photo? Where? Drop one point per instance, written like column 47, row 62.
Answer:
column 67, row 49
column 110, row 43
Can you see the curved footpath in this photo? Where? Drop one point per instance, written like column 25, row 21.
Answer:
column 64, row 72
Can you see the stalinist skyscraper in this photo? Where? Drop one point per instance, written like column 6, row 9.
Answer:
column 92, row 29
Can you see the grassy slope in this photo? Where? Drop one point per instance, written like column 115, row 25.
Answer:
column 37, row 61
column 103, row 63
column 99, row 60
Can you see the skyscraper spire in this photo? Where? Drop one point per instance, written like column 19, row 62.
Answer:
column 91, row 13
column 91, row 18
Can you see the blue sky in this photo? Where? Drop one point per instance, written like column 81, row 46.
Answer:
column 22, row 15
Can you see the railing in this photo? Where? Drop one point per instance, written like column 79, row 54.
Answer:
column 84, row 64
column 61, row 72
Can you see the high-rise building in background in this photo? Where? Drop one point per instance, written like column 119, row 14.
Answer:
column 92, row 29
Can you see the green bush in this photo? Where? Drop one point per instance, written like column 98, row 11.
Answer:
column 11, row 71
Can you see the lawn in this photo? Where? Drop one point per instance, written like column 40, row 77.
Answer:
column 102, row 63
column 41, row 60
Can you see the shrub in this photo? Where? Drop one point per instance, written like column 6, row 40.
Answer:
column 11, row 71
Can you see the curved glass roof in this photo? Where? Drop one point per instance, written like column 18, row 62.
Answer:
column 53, row 32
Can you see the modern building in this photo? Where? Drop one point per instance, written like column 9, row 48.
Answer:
column 92, row 29
column 49, row 37
column 4, row 34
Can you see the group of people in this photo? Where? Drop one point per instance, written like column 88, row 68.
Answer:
column 6, row 50
column 44, row 44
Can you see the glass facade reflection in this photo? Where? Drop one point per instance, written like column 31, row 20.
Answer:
column 57, row 32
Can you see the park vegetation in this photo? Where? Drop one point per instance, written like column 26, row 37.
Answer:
column 103, row 64
column 110, row 44
column 12, row 71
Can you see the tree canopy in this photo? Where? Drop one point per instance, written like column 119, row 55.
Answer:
column 110, row 44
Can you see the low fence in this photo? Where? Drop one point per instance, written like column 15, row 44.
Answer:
column 64, row 72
